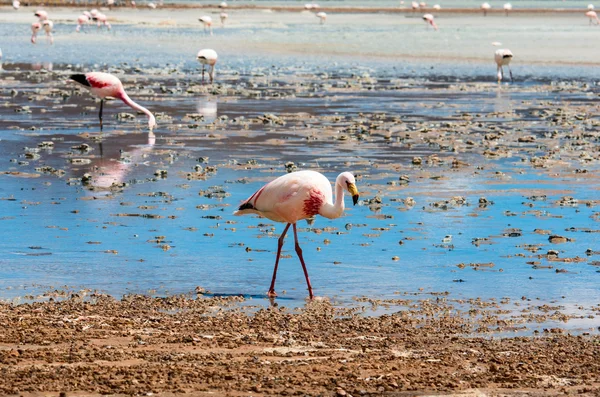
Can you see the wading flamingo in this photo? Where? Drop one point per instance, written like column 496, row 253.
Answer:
column 48, row 25
column 105, row 85
column 503, row 58
column 208, row 57
column 223, row 17
column 42, row 15
column 485, row 7
column 414, row 5
column 437, row 7
column 590, row 7
column 428, row 18
column 322, row 17
column 81, row 21
column 507, row 8
column 223, row 5
column 207, row 23
column 101, row 19
column 16, row 4
column 593, row 17
column 296, row 196
column 35, row 28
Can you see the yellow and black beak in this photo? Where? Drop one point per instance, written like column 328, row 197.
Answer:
column 354, row 192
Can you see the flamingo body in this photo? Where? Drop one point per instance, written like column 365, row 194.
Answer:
column 428, row 18
column 35, row 28
column 593, row 17
column 42, row 15
column 322, row 16
column 81, row 21
column 208, row 57
column 105, row 85
column 207, row 23
column 16, row 4
column 48, row 25
column 503, row 57
column 223, row 16
column 485, row 7
column 296, row 196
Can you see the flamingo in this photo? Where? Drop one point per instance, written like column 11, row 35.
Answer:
column 101, row 19
column 593, row 17
column 507, row 7
column 296, row 196
column 35, row 28
column 88, row 14
column 503, row 58
column 105, row 85
column 590, row 7
column 223, row 5
column 414, row 5
column 428, row 18
column 322, row 17
column 151, row 6
column 437, row 7
column 207, row 22
column 81, row 21
column 223, row 17
column 208, row 57
column 42, row 15
column 485, row 7
column 48, row 25
column 16, row 4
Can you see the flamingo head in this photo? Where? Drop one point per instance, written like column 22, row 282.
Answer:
column 347, row 181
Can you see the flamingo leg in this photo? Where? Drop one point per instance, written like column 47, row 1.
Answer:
column 271, row 293
column 299, row 252
column 100, row 114
column 202, row 72
column 212, row 73
column 510, row 71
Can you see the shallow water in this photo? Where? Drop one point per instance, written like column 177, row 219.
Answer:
column 57, row 232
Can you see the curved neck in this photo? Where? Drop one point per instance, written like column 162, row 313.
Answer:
column 125, row 98
column 335, row 210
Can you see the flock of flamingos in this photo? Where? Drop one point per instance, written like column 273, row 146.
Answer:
column 289, row 198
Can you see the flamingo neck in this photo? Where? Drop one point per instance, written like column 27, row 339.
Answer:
column 122, row 95
column 336, row 209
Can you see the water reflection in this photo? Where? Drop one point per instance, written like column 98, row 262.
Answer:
column 207, row 107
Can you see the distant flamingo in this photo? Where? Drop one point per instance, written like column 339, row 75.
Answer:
column 151, row 6
column 507, row 8
column 414, row 5
column 82, row 20
column 208, row 57
column 105, row 85
column 223, row 5
column 590, row 7
column 223, row 16
column 16, row 4
column 88, row 14
column 322, row 17
column 101, row 20
column 428, row 18
column 207, row 23
column 42, row 15
column 503, row 58
column 485, row 7
column 593, row 17
column 48, row 25
column 296, row 196
column 35, row 28
column 437, row 7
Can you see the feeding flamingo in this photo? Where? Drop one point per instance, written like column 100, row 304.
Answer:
column 296, row 196
column 48, row 25
column 223, row 17
column 428, row 18
column 42, row 15
column 35, row 28
column 322, row 17
column 593, row 17
column 207, row 23
column 503, row 58
column 81, row 21
column 437, row 7
column 101, row 19
column 208, row 57
column 485, row 7
column 507, row 7
column 105, row 85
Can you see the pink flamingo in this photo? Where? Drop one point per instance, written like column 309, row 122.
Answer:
column 296, row 196
column 16, row 4
column 35, row 28
column 428, row 18
column 208, row 57
column 82, row 20
column 105, row 85
column 507, row 8
column 223, row 16
column 503, row 58
column 322, row 17
column 42, row 15
column 593, row 17
column 207, row 23
column 485, row 7
column 48, row 25
column 101, row 19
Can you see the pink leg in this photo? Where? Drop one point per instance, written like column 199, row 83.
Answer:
column 272, row 292
column 299, row 252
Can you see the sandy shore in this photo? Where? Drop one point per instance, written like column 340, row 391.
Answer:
column 211, row 346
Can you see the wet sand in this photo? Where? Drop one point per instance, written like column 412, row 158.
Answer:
column 209, row 346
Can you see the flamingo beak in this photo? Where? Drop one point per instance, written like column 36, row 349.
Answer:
column 354, row 192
